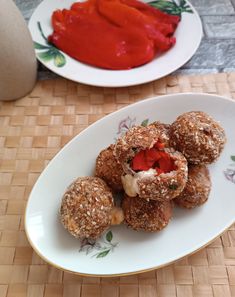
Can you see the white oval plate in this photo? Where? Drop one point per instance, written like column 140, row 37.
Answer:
column 122, row 250
column 188, row 36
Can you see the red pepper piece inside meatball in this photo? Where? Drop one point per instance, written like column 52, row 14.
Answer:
column 154, row 158
column 151, row 170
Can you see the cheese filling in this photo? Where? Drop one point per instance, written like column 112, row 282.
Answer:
column 130, row 184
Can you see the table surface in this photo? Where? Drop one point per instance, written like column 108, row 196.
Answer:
column 32, row 130
column 217, row 49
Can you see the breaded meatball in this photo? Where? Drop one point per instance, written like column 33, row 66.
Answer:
column 151, row 171
column 109, row 169
column 86, row 207
column 197, row 189
column 144, row 215
column 198, row 137
column 163, row 130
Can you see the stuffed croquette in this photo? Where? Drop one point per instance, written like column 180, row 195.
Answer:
column 197, row 189
column 109, row 169
column 86, row 209
column 198, row 137
column 140, row 214
column 151, row 170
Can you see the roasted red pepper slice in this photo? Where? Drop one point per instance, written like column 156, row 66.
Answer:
column 126, row 16
column 113, row 34
column 153, row 158
column 90, row 38
column 139, row 162
column 154, row 12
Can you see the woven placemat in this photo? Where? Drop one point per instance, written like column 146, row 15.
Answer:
column 32, row 130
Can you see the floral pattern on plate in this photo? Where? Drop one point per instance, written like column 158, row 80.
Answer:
column 128, row 123
column 230, row 171
column 48, row 52
column 98, row 248
column 172, row 7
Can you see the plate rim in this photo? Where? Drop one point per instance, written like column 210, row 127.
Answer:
column 107, row 275
column 120, row 85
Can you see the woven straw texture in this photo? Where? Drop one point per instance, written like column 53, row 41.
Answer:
column 32, row 130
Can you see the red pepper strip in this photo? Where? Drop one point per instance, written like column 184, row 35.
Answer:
column 166, row 164
column 139, row 162
column 60, row 18
column 127, row 16
column 90, row 38
column 87, row 6
column 152, row 158
column 121, row 14
column 164, row 23
column 152, row 11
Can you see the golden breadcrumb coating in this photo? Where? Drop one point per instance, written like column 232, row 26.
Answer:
column 163, row 130
column 198, row 137
column 86, row 207
column 144, row 215
column 109, row 169
column 197, row 189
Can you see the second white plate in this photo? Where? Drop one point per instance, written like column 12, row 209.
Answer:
column 122, row 250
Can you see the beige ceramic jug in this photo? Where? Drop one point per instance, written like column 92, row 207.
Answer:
column 18, row 67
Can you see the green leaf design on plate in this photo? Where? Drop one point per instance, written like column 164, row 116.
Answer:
column 40, row 46
column 40, row 30
column 47, row 56
column 109, row 236
column 50, row 52
column 99, row 248
column 59, row 60
column 103, row 254
column 171, row 7
column 145, row 123
column 233, row 158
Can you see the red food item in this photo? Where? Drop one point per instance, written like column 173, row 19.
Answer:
column 153, row 158
column 158, row 15
column 90, row 38
column 139, row 162
column 127, row 16
column 113, row 34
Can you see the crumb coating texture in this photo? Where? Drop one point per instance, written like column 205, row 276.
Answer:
column 109, row 169
column 144, row 215
column 86, row 207
column 197, row 189
column 198, row 137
